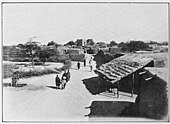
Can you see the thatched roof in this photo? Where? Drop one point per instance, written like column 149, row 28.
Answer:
column 123, row 66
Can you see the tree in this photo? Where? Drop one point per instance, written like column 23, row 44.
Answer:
column 102, row 44
column 102, row 58
column 79, row 42
column 133, row 46
column 51, row 43
column 44, row 55
column 124, row 47
column 20, row 46
column 90, row 42
column 113, row 43
column 163, row 43
column 31, row 48
column 71, row 43
column 137, row 45
column 152, row 42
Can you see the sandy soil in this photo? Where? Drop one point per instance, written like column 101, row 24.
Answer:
column 40, row 101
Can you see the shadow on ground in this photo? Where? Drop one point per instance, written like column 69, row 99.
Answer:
column 93, row 86
column 23, row 86
column 107, row 108
column 53, row 87
column 17, row 85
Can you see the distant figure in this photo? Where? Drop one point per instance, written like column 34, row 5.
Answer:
column 15, row 78
column 84, row 62
column 57, row 81
column 64, row 75
column 91, row 67
column 68, row 76
column 78, row 65
column 90, row 62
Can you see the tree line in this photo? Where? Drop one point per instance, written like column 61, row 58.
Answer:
column 31, row 48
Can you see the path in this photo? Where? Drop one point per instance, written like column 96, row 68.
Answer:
column 38, row 102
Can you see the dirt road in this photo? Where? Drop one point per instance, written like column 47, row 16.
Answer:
column 40, row 101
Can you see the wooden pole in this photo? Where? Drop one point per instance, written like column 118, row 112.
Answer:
column 139, row 87
column 118, row 89
column 133, row 81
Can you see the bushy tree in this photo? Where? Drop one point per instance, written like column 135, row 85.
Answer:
column 30, row 49
column 101, row 44
column 102, row 58
column 123, row 46
column 152, row 42
column 133, row 46
column 163, row 43
column 113, row 43
column 20, row 46
column 71, row 43
column 137, row 45
column 90, row 42
column 79, row 42
column 51, row 43
column 44, row 55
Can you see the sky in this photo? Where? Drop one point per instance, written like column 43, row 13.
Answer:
column 103, row 22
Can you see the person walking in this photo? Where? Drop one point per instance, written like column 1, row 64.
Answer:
column 84, row 62
column 78, row 65
column 68, row 76
column 57, row 81
column 64, row 75
column 91, row 67
column 15, row 78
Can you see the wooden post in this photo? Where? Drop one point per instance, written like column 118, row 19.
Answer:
column 139, row 87
column 118, row 89
column 133, row 80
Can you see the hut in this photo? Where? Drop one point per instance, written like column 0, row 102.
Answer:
column 132, row 73
column 122, row 71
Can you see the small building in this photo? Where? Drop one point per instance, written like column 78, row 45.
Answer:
column 123, row 69
column 114, row 50
column 74, row 51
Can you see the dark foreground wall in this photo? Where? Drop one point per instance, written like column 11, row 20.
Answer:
column 152, row 100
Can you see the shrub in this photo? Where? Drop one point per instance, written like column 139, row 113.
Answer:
column 25, row 60
column 67, row 65
column 38, row 63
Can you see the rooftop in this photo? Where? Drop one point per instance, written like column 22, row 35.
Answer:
column 123, row 66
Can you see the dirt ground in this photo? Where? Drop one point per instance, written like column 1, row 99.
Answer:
column 38, row 100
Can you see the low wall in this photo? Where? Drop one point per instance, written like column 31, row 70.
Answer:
column 75, row 57
column 59, row 58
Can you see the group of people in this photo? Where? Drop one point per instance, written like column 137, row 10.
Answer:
column 61, row 83
column 84, row 61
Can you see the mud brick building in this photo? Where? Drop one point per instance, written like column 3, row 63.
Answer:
column 129, row 74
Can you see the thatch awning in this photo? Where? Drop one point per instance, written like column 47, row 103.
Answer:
column 123, row 66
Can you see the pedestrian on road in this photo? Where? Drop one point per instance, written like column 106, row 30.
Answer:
column 68, row 76
column 64, row 75
column 90, row 62
column 57, row 81
column 84, row 62
column 78, row 65
column 91, row 67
